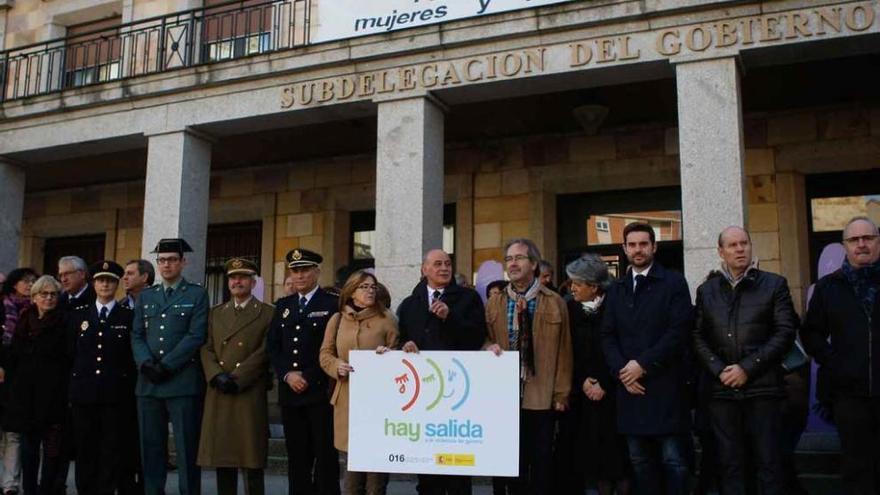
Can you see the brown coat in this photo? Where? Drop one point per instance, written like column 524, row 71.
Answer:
column 364, row 330
column 235, row 428
column 552, row 341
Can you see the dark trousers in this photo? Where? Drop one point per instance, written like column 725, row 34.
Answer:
column 858, row 423
column 308, row 436
column 752, row 426
column 50, row 440
column 99, row 432
column 227, row 481
column 660, row 463
column 435, row 484
column 535, row 456
column 185, row 414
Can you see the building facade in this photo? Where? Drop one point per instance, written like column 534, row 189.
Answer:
column 126, row 121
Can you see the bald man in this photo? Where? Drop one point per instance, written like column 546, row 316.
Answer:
column 440, row 315
column 745, row 325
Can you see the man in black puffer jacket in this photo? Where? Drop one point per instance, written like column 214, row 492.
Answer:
column 846, row 306
column 745, row 325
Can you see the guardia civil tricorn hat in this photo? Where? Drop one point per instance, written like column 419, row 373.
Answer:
column 303, row 257
column 175, row 245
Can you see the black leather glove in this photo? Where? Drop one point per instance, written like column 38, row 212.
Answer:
column 155, row 372
column 225, row 383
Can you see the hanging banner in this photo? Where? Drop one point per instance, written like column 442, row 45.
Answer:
column 340, row 19
column 440, row 412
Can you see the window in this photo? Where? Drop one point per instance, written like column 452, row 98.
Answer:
column 602, row 225
column 237, row 30
column 235, row 240
column 363, row 230
column 88, row 247
column 93, row 53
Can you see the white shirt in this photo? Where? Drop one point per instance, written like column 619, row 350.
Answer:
column 308, row 296
column 431, row 294
column 242, row 305
column 110, row 305
column 643, row 272
column 76, row 296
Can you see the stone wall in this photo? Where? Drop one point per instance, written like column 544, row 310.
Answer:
column 502, row 189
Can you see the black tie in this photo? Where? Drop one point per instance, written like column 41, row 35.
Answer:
column 640, row 279
column 168, row 292
column 103, row 313
column 436, row 296
column 302, row 303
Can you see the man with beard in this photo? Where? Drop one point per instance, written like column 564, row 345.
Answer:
column 235, row 423
column 440, row 315
column 645, row 332
column 532, row 319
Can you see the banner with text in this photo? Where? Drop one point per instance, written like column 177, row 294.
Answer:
column 439, row 412
column 340, row 19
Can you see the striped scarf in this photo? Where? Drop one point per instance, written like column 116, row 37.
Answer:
column 520, row 309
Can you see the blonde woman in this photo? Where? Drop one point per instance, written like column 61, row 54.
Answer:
column 362, row 323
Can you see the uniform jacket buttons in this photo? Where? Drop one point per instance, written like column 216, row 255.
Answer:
column 296, row 351
column 161, row 352
column 296, row 365
column 237, row 365
column 97, row 372
column 222, row 363
column 297, row 327
column 296, row 339
column 163, row 315
column 240, row 344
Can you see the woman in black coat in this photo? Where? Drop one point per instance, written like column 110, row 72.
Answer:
column 39, row 365
column 599, row 452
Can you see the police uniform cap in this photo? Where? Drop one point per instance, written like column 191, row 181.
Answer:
column 172, row 245
column 302, row 258
column 240, row 266
column 106, row 268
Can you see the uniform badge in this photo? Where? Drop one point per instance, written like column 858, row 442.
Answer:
column 296, row 256
column 286, row 313
column 237, row 264
column 106, row 266
column 84, row 326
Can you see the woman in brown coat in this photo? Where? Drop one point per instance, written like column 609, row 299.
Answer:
column 362, row 323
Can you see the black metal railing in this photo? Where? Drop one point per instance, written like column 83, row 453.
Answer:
column 194, row 37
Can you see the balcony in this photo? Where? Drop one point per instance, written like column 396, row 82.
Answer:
column 201, row 36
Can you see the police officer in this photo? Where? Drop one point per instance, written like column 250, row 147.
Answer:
column 235, row 425
column 170, row 324
column 294, row 342
column 101, row 383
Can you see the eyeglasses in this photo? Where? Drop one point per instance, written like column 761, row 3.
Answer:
column 518, row 258
column 864, row 238
column 47, row 294
column 368, row 287
column 66, row 274
column 163, row 260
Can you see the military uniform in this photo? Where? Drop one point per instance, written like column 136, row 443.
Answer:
column 294, row 343
column 235, row 426
column 170, row 324
column 102, row 389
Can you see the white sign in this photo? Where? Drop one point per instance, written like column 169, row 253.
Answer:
column 440, row 412
column 340, row 19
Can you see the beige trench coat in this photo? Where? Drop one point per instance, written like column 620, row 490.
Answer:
column 364, row 330
column 235, row 428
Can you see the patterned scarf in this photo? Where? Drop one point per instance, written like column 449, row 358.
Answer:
column 592, row 307
column 523, row 307
column 865, row 281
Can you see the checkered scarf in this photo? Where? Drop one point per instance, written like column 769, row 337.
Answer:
column 520, row 309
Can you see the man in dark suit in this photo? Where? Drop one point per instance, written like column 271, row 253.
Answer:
column 293, row 343
column 441, row 316
column 648, row 319
column 74, row 276
column 139, row 275
column 170, row 326
column 102, row 384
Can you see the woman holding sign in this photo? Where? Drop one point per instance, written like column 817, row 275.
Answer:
column 362, row 323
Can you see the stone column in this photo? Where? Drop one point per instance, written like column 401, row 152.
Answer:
column 409, row 190
column 12, row 205
column 176, row 196
column 711, row 153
